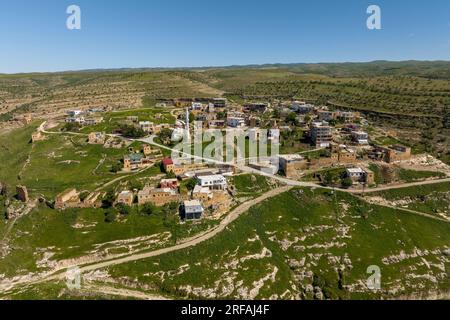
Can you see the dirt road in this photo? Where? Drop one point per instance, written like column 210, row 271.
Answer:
column 186, row 243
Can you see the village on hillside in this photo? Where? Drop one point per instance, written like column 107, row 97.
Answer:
column 317, row 145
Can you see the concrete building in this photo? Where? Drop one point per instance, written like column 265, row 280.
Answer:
column 260, row 107
column 193, row 210
column 219, row 102
column 302, row 107
column 348, row 116
column 291, row 163
column 325, row 115
column 321, row 135
column 79, row 120
column 92, row 121
column 212, row 181
column 359, row 175
column 135, row 161
column 202, row 193
column 360, row 137
column 217, row 124
column 196, row 106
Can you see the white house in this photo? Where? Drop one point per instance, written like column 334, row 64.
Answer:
column 212, row 181
column 360, row 137
column 79, row 120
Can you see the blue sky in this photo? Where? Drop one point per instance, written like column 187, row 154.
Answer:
column 184, row 33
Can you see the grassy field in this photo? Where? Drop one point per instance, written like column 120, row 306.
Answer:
column 304, row 238
column 112, row 119
column 250, row 185
column 384, row 175
column 59, row 162
column 82, row 232
column 428, row 198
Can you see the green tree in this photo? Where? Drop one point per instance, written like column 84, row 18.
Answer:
column 123, row 209
column 71, row 127
column 108, row 199
column 346, row 182
column 165, row 135
column 116, row 167
column 132, row 132
column 149, row 209
column 191, row 183
column 292, row 118
column 110, row 215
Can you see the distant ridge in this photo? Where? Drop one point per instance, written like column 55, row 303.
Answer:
column 438, row 69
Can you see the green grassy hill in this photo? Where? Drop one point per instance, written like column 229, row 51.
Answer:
column 301, row 239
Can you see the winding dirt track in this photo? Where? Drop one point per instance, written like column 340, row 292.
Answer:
column 209, row 234
column 190, row 242
column 186, row 243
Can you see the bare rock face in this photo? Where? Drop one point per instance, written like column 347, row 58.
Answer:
column 318, row 295
column 309, row 288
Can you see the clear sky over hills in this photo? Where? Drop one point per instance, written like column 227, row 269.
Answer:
column 175, row 33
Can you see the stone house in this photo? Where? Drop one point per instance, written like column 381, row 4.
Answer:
column 96, row 138
column 22, row 193
column 125, row 197
column 158, row 196
column 69, row 198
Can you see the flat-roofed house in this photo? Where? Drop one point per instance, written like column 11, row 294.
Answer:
column 325, row 115
column 146, row 126
column 212, row 181
column 202, row 193
column 360, row 175
column 193, row 210
column 396, row 153
column 93, row 121
column 321, row 135
column 67, row 199
column 220, row 102
column 360, row 137
column 157, row 196
column 126, row 197
column 291, row 163
column 135, row 161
